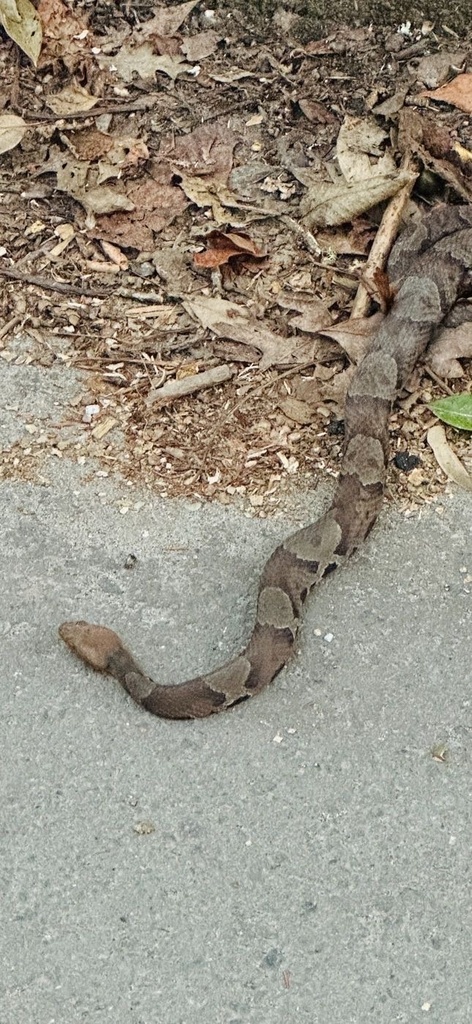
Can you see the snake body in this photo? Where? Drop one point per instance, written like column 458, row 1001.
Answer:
column 430, row 266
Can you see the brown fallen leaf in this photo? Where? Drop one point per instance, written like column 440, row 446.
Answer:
column 233, row 77
column 393, row 104
column 205, row 152
column 167, row 20
column 232, row 321
column 225, row 246
column 316, row 112
column 344, row 40
column 458, row 93
column 70, row 100
column 354, row 336
column 275, row 350
column 435, row 69
column 336, row 389
column 89, row 144
column 210, row 310
column 66, row 35
column 201, row 45
column 447, row 459
column 314, row 313
column 102, row 199
column 297, row 410
column 331, row 203
column 143, row 61
column 101, row 267
column 124, row 155
column 208, row 194
column 114, row 154
column 358, row 148
column 115, row 255
column 154, row 206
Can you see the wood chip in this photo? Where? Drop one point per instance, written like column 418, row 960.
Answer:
column 104, row 427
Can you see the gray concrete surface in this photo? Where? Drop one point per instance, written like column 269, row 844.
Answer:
column 303, row 858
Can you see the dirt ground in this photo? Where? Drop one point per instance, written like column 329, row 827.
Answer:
column 156, row 226
column 314, row 18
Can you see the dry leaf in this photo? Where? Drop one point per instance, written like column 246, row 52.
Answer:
column 65, row 34
column 123, row 154
column 331, row 203
column 155, row 205
column 201, row 45
column 205, row 194
column 276, row 351
column 66, row 233
column 436, row 148
column 23, row 24
column 225, row 246
column 449, row 462
column 12, row 129
column 314, row 314
column 458, row 93
column 354, row 336
column 435, row 68
column 211, row 310
column 359, row 139
column 167, row 20
column 297, row 410
column 103, row 199
column 316, row 112
column 143, row 61
column 115, row 255
column 236, row 75
column 205, row 152
column 71, row 100
column 232, row 321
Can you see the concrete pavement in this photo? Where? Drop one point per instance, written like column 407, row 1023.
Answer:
column 303, row 858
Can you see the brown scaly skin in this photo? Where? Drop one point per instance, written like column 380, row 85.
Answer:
column 433, row 265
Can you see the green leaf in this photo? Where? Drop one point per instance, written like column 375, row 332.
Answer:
column 456, row 410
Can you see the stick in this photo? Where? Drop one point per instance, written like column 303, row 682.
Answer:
column 381, row 246
column 56, row 286
column 186, row 386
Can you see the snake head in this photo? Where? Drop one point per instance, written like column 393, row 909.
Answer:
column 94, row 644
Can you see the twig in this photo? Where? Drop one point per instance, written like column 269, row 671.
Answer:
column 56, row 286
column 74, row 289
column 308, row 238
column 10, row 324
column 147, row 297
column 186, row 386
column 437, row 380
column 143, row 103
column 382, row 244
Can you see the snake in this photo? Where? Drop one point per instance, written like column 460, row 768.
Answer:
column 429, row 269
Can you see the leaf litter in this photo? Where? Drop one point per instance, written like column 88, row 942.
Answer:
column 190, row 219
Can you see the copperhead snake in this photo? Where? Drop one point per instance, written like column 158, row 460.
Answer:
column 431, row 267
